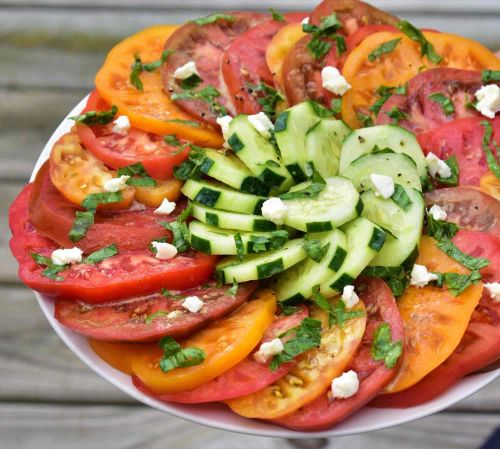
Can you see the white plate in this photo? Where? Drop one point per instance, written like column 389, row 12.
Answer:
column 219, row 416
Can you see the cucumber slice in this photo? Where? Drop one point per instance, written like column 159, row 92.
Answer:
column 323, row 144
column 215, row 195
column 404, row 225
column 228, row 169
column 364, row 241
column 231, row 220
column 260, row 266
column 290, row 132
column 258, row 154
column 211, row 240
column 395, row 138
column 400, row 167
column 337, row 204
column 296, row 284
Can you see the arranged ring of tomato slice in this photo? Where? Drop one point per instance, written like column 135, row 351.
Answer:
column 490, row 184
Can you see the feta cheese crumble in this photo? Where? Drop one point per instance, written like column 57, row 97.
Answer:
column 420, row 277
column 121, row 125
column 494, row 289
column 437, row 212
column 437, row 166
column 305, row 21
column 488, row 100
column 65, row 256
column 174, row 314
column 346, row 385
column 166, row 207
column 185, row 71
column 116, row 184
column 262, row 124
column 193, row 304
column 268, row 349
column 274, row 209
column 333, row 81
column 224, row 122
column 349, row 296
column 164, row 250
column 384, row 185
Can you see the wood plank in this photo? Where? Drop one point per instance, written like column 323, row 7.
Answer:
column 117, row 427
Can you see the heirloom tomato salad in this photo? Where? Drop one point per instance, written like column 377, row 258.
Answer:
column 296, row 215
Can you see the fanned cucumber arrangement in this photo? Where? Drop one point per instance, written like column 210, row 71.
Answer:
column 327, row 217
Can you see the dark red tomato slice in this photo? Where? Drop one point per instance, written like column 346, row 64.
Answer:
column 461, row 138
column 244, row 63
column 468, row 207
column 53, row 216
column 245, row 378
column 135, row 319
column 422, row 113
column 205, row 45
column 117, row 150
column 324, row 412
column 128, row 274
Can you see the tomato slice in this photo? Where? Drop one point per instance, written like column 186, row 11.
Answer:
column 226, row 342
column 205, row 45
column 434, row 320
column 312, row 375
column 490, row 184
column 150, row 109
column 461, row 138
column 468, row 207
column 402, row 64
column 119, row 150
column 134, row 320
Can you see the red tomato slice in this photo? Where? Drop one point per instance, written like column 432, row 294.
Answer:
column 244, row 63
column 245, row 378
column 324, row 412
column 461, row 138
column 117, row 150
column 134, row 320
column 128, row 274
column 205, row 45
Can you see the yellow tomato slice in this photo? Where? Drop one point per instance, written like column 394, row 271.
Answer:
column 282, row 42
column 312, row 375
column 402, row 64
column 119, row 355
column 76, row 173
column 154, row 196
column 434, row 320
column 490, row 184
column 226, row 342
column 150, row 109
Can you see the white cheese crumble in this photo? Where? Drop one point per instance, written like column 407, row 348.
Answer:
column 174, row 314
column 224, row 122
column 488, row 100
column 349, row 296
column 164, row 250
column 346, row 385
column 437, row 166
column 262, row 124
column 116, row 184
column 420, row 277
column 305, row 21
column 268, row 349
column 65, row 256
column 333, row 81
column 274, row 209
column 166, row 207
column 438, row 213
column 384, row 185
column 121, row 125
column 185, row 71
column 494, row 289
column 136, row 206
column 193, row 304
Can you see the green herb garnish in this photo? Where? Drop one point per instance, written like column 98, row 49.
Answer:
column 457, row 283
column 327, row 29
column 316, row 186
column 212, row 18
column 101, row 254
column 453, row 179
column 487, row 142
column 96, row 117
column 397, row 115
column 314, row 250
column 276, row 15
column 383, row 348
column 426, row 48
column 52, row 270
column 401, row 198
column 261, row 243
column 175, row 356
column 269, row 99
column 441, row 230
column 240, row 250
column 138, row 175
column 208, row 94
column 397, row 278
column 489, row 76
column 468, row 261
column 444, row 101
column 180, row 230
column 383, row 49
column 233, row 291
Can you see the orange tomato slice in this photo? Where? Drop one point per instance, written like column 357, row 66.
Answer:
column 490, row 184
column 150, row 109
column 154, row 196
column 402, row 64
column 119, row 355
column 312, row 375
column 434, row 320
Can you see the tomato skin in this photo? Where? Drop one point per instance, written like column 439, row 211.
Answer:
column 490, row 184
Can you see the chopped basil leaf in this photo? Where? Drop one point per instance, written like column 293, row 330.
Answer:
column 191, row 168
column 240, row 250
column 138, row 175
column 191, row 82
column 83, row 221
column 444, row 101
column 441, row 230
column 383, row 49
column 488, row 76
column 397, row 278
column 169, row 294
column 337, row 315
column 365, row 120
column 287, row 309
column 212, row 18
column 175, row 356
column 52, row 270
column 150, row 318
column 171, row 139
column 397, row 115
column 320, row 110
column 96, row 117
column 135, row 73
column 457, row 283
column 186, row 213
column 180, row 230
column 491, row 159
column 276, row 15
column 401, row 198
column 233, row 291
column 383, row 348
column 152, row 66
column 101, row 254
column 269, row 99
column 261, row 243
column 191, row 123
column 426, row 48
column 208, row 94
column 468, row 261
column 316, row 186
column 152, row 248
column 94, row 199
column 336, row 105
column 313, row 249
column 402, row 90
column 453, row 179
column 327, row 28
column 318, row 48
